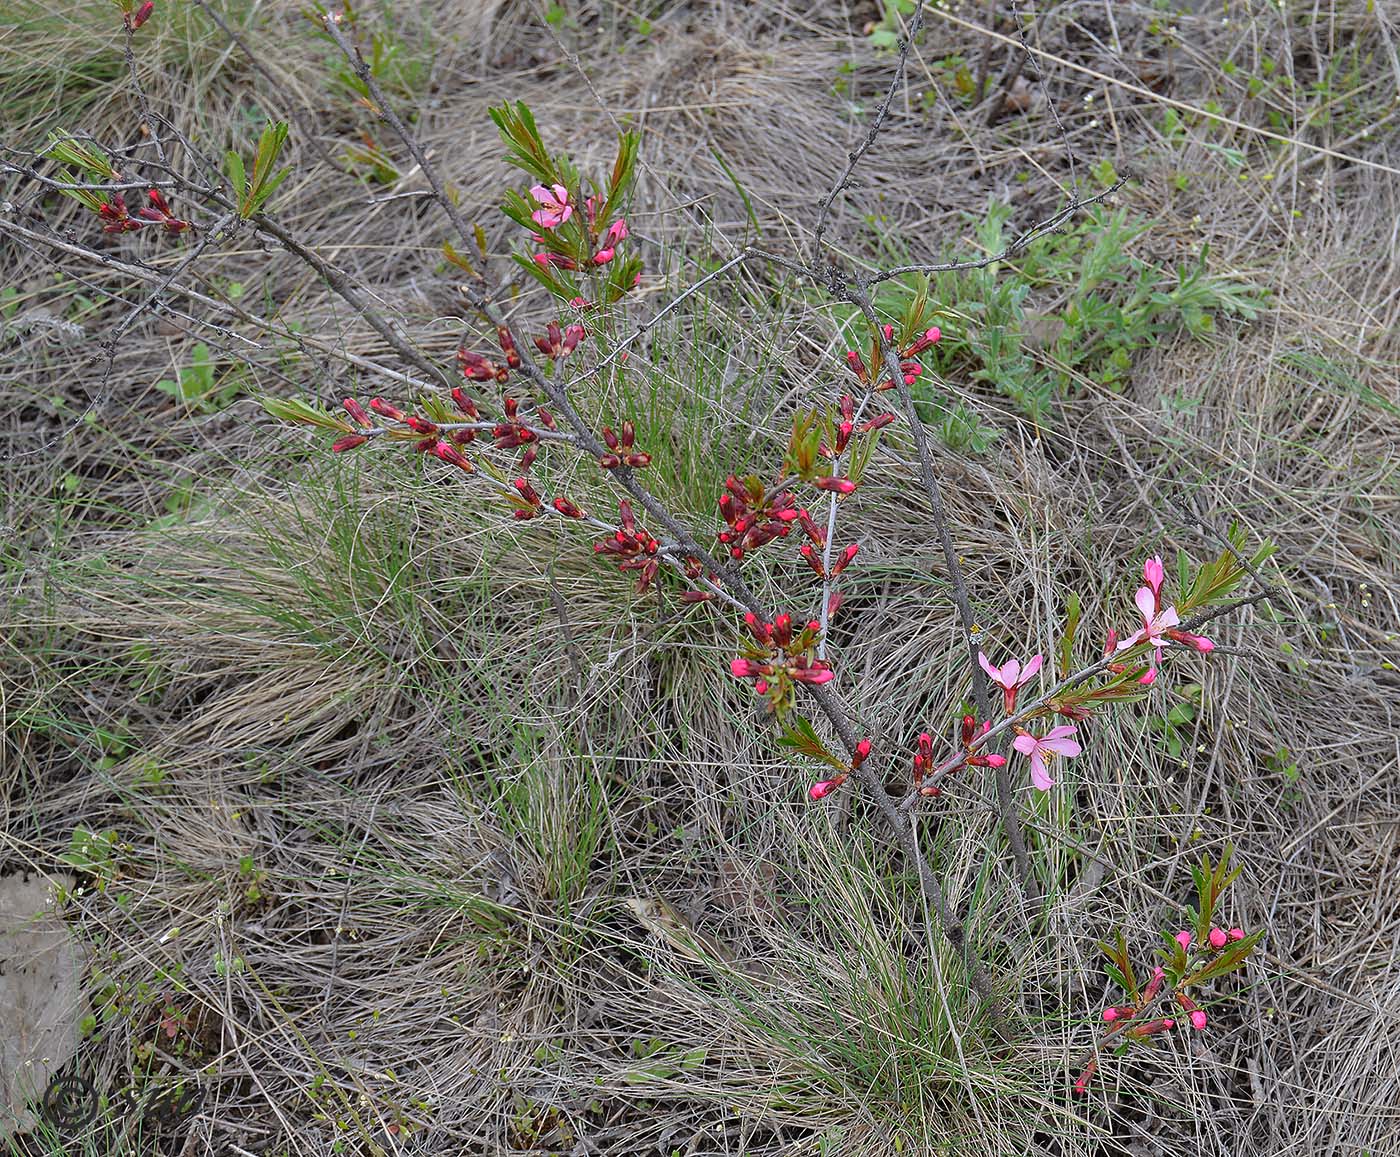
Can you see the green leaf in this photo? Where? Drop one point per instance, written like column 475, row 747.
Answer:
column 233, row 167
column 802, row 737
column 294, row 410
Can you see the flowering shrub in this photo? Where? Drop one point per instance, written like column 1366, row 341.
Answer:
column 510, row 408
column 580, row 236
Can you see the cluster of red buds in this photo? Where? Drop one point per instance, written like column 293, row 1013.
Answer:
column 847, row 426
column 479, row 368
column 1139, row 1019
column 559, row 342
column 908, row 367
column 777, row 658
column 814, row 550
column 622, row 448
column 117, row 217
column 511, row 432
column 753, row 517
column 632, row 545
column 925, row 768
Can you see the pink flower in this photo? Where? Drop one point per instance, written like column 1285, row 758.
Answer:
column 1153, row 574
column 1218, row 938
column 1055, row 742
column 1236, row 933
column 1183, row 938
column 554, row 208
column 617, row 231
column 823, row 789
column 1156, row 622
column 1159, row 624
column 1011, row 677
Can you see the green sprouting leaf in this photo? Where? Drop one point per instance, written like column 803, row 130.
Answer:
column 294, row 410
column 802, row 737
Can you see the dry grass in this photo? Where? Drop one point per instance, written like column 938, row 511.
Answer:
column 439, row 889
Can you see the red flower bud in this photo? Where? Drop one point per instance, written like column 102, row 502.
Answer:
column 465, row 403
column 836, row 485
column 141, row 15
column 782, row 630
column 861, row 754
column 567, row 508
column 450, row 454
column 845, row 560
column 349, row 442
column 381, row 407
column 357, row 411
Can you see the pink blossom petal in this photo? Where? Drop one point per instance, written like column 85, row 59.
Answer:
column 1032, row 669
column 1060, row 732
column 1040, row 775
column 993, row 673
column 1010, row 673
column 1167, row 619
column 1146, row 603
column 540, row 194
column 1025, row 744
column 1066, row 747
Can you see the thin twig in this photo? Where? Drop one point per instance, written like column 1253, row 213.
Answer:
column 1011, row 824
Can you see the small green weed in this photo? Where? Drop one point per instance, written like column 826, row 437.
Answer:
column 197, row 388
column 1077, row 306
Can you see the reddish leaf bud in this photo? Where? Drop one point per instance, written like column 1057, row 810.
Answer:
column 782, row 629
column 141, row 15
column 465, row 403
column 638, row 461
column 507, row 344
column 819, row 791
column 567, row 508
column 349, row 442
column 808, row 552
column 845, row 560
column 420, row 425
column 381, row 407
column 923, row 341
column 357, row 411
column 610, row 438
column 853, row 360
column 877, row 423
column 450, row 454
